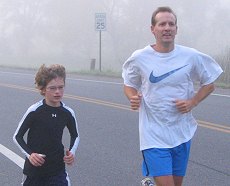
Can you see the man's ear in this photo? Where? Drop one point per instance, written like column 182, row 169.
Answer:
column 152, row 29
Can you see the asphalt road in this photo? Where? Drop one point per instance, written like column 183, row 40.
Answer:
column 108, row 153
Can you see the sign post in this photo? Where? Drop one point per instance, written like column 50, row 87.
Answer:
column 100, row 25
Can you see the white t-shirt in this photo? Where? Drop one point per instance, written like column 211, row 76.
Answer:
column 163, row 78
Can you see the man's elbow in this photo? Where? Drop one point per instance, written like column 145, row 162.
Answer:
column 210, row 87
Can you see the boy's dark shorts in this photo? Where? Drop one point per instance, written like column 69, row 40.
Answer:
column 61, row 179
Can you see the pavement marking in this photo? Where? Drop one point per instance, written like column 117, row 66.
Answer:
column 74, row 79
column 20, row 161
column 12, row 156
column 97, row 81
column 97, row 101
column 221, row 95
column 217, row 127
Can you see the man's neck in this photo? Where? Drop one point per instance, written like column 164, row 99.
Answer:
column 166, row 48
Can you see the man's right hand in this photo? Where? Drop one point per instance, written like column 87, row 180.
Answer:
column 135, row 101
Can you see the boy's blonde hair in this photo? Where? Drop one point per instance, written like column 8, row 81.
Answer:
column 46, row 74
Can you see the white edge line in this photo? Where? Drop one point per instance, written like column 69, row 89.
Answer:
column 221, row 95
column 96, row 81
column 12, row 156
column 105, row 82
column 75, row 79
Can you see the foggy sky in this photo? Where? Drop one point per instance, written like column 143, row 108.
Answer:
column 34, row 32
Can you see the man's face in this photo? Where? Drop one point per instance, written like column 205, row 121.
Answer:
column 165, row 28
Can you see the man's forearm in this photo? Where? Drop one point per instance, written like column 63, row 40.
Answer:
column 129, row 91
column 202, row 93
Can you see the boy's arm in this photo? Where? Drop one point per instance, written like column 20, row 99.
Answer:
column 20, row 132
column 74, row 140
column 74, row 134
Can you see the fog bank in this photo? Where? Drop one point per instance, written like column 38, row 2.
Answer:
column 33, row 32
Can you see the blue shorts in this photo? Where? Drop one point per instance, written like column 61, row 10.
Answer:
column 62, row 179
column 166, row 161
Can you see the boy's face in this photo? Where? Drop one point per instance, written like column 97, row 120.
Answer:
column 54, row 91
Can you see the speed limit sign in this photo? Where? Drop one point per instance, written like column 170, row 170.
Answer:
column 100, row 21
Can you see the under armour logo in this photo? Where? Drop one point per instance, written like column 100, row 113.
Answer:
column 54, row 115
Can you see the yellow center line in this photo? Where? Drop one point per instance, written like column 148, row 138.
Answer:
column 213, row 125
column 97, row 101
column 18, row 87
column 217, row 127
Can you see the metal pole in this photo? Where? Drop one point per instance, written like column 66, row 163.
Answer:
column 100, row 50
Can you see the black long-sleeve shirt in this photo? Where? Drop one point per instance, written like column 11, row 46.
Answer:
column 45, row 125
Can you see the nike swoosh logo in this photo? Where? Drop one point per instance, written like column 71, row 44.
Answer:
column 155, row 79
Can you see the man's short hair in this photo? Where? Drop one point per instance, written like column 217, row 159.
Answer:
column 161, row 9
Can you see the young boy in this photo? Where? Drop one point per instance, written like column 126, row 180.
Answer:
column 45, row 122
